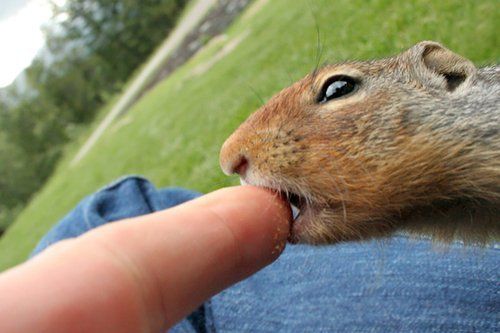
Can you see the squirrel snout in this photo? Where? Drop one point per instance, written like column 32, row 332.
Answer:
column 238, row 165
column 232, row 160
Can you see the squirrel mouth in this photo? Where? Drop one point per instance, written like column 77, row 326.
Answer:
column 296, row 204
column 301, row 212
column 303, row 209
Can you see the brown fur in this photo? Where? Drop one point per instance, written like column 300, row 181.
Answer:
column 416, row 147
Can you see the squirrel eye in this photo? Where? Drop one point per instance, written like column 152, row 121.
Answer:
column 335, row 87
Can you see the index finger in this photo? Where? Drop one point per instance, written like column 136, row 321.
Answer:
column 146, row 273
column 199, row 248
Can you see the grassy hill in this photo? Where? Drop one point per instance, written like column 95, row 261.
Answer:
column 173, row 134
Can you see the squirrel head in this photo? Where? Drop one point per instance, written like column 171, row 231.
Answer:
column 358, row 146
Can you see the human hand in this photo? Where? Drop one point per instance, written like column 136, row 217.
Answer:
column 146, row 273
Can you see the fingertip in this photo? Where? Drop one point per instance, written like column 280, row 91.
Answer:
column 258, row 217
column 255, row 196
column 199, row 248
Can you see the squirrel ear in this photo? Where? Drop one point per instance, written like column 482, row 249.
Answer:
column 440, row 61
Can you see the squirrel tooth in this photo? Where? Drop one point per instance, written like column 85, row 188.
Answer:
column 295, row 211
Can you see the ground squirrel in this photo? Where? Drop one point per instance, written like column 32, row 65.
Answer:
column 366, row 148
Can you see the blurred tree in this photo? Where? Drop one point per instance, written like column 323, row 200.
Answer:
column 93, row 47
column 121, row 34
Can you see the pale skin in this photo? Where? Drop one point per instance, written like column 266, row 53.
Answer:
column 147, row 273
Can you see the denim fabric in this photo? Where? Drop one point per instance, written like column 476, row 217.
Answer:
column 397, row 285
column 127, row 197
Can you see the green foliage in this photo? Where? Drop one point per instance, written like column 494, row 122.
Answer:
column 30, row 144
column 173, row 134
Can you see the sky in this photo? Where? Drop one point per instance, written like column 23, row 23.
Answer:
column 20, row 35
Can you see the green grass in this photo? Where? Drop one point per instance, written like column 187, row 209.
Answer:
column 175, row 130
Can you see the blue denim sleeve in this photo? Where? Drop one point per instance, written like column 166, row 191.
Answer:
column 128, row 197
column 398, row 285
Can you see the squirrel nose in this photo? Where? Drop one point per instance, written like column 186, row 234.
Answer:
column 232, row 157
column 240, row 166
column 237, row 164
